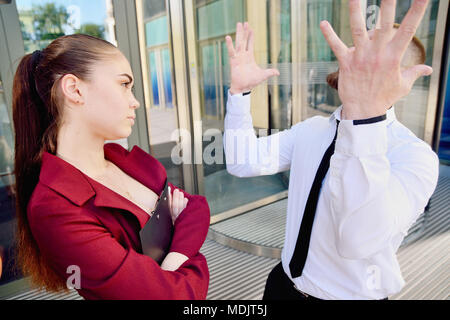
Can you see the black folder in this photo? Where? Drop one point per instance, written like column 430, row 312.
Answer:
column 156, row 236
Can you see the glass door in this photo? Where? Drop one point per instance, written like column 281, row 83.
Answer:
column 208, row 22
column 214, row 82
column 157, row 74
column 161, row 78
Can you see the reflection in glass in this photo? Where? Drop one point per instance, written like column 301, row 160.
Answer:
column 154, row 8
column 321, row 99
column 280, row 89
column 225, row 192
column 158, row 85
column 412, row 109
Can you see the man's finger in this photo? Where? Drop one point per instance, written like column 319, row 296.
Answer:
column 412, row 74
column 386, row 21
column 357, row 24
column 250, row 43
column 176, row 202
column 335, row 43
column 408, row 28
column 239, row 36
column 230, row 47
column 246, row 34
column 271, row 73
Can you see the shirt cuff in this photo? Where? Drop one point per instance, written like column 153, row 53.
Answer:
column 362, row 140
column 238, row 104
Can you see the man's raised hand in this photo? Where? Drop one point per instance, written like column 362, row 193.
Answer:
column 370, row 76
column 245, row 73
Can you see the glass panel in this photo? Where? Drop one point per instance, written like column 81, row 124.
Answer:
column 156, row 32
column 160, row 104
column 209, row 72
column 154, row 78
column 411, row 110
column 280, row 89
column 167, row 76
column 215, row 20
column 44, row 20
column 7, row 205
column 219, row 18
column 154, row 8
column 321, row 99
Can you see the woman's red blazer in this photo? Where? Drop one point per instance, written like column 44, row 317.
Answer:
column 79, row 222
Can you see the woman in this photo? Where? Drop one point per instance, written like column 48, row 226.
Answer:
column 80, row 202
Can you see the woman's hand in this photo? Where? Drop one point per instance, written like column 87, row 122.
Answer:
column 245, row 73
column 173, row 261
column 371, row 79
column 177, row 203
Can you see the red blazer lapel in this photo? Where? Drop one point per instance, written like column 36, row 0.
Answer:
column 138, row 164
column 77, row 187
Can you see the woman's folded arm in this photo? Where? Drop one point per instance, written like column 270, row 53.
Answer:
column 108, row 270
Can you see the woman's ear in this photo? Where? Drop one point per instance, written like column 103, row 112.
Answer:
column 71, row 89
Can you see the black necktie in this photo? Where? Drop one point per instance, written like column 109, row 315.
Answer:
column 301, row 247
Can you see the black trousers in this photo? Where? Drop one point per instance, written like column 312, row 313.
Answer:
column 280, row 287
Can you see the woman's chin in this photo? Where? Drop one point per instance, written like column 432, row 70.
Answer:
column 123, row 134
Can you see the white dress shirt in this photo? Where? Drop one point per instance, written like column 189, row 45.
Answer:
column 380, row 179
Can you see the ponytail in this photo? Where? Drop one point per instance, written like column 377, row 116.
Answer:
column 31, row 122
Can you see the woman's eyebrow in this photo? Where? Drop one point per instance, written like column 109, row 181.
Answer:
column 126, row 75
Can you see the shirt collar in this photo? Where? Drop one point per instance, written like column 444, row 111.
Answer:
column 390, row 115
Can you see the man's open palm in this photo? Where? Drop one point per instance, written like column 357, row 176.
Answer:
column 245, row 73
column 371, row 79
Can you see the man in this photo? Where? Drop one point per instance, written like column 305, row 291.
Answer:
column 358, row 180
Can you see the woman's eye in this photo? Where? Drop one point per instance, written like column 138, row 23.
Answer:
column 126, row 84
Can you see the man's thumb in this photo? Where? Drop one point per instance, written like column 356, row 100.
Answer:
column 271, row 73
column 412, row 74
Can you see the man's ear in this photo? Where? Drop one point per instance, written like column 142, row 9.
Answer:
column 71, row 88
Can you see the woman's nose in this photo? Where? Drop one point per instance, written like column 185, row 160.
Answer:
column 135, row 103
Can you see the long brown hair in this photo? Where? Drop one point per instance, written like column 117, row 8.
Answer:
column 37, row 116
